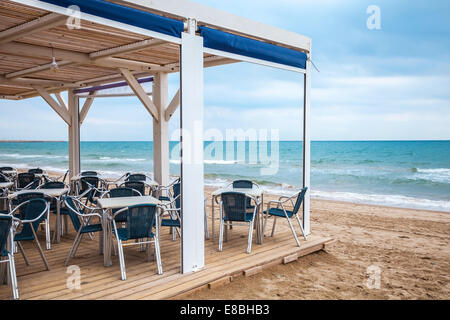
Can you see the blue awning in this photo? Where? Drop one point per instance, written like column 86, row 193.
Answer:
column 130, row 16
column 224, row 41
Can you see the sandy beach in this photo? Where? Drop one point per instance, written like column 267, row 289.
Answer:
column 410, row 247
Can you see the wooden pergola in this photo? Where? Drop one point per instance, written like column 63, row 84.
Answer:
column 118, row 41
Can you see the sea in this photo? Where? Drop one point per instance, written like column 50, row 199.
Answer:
column 409, row 174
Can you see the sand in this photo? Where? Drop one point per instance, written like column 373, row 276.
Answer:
column 409, row 247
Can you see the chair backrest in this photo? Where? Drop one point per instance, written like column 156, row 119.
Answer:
column 53, row 185
column 123, row 192
column 24, row 179
column 21, row 198
column 6, row 169
column 136, row 177
column 33, row 209
column 176, row 192
column 140, row 220
column 89, row 173
column 242, row 184
column 73, row 210
column 3, row 178
column 89, row 180
column 36, row 170
column 5, row 227
column 136, row 185
column 298, row 202
column 234, row 206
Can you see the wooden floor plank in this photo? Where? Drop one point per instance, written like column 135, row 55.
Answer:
column 143, row 282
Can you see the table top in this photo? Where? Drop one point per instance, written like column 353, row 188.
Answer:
column 148, row 182
column 48, row 192
column 253, row 192
column 4, row 185
column 123, row 202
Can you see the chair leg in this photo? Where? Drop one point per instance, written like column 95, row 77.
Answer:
column 12, row 272
column 22, row 251
column 70, row 255
column 48, row 242
column 274, row 224
column 250, row 237
column 158, row 255
column 301, row 227
column 77, row 245
column 121, row 260
column 41, row 252
column 221, row 234
column 206, row 225
column 293, row 231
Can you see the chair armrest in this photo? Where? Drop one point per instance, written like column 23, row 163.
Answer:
column 47, row 207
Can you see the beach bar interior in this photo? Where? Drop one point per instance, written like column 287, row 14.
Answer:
column 81, row 48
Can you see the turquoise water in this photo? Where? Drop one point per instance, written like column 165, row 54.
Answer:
column 412, row 174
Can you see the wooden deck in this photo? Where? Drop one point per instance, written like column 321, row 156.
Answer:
column 143, row 282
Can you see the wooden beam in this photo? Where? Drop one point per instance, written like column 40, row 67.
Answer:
column 46, row 22
column 128, row 48
column 86, row 106
column 35, row 51
column 26, row 72
column 140, row 93
column 28, row 82
column 61, row 111
column 173, row 105
column 61, row 101
column 227, row 21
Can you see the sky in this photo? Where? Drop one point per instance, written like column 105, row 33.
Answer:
column 390, row 83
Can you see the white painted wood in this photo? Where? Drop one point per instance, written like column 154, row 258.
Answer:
column 87, row 105
column 173, row 105
column 99, row 20
column 226, row 21
column 46, row 22
column 60, row 110
column 192, row 188
column 161, row 130
column 74, row 134
column 140, row 93
column 61, row 100
column 307, row 148
column 128, row 48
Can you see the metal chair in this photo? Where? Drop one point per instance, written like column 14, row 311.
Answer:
column 26, row 181
column 174, row 218
column 22, row 198
column 89, row 173
column 141, row 219
column 80, row 219
column 136, row 177
column 53, row 204
column 118, row 193
column 7, row 252
column 136, row 185
column 36, row 211
column 281, row 212
column 233, row 208
column 91, row 187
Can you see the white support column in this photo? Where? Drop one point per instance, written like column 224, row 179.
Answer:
column 161, row 130
column 307, row 148
column 74, row 133
column 192, row 192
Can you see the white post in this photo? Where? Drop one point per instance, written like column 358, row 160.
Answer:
column 161, row 130
column 192, row 192
column 307, row 148
column 74, row 133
